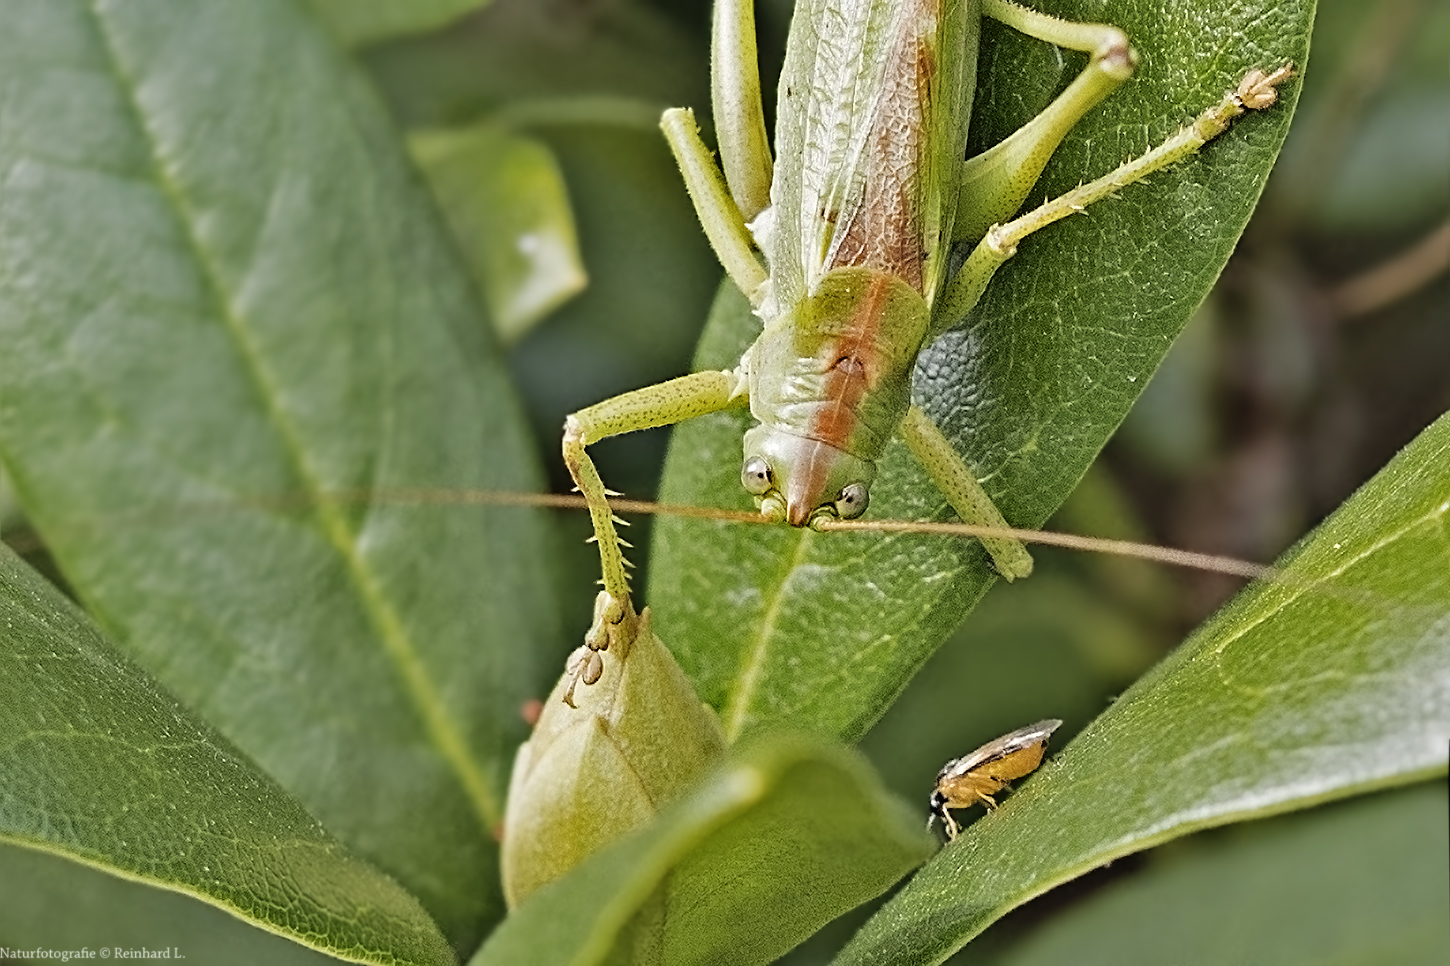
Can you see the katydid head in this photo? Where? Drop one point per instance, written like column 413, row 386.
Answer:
column 804, row 481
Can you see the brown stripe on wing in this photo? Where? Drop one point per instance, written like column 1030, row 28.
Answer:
column 885, row 228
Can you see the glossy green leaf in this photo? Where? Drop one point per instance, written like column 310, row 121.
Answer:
column 506, row 201
column 1332, row 680
column 47, row 902
column 358, row 22
column 98, row 763
column 228, row 314
column 1360, row 882
column 824, row 631
column 787, row 836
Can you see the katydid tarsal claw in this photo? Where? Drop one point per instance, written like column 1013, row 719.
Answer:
column 843, row 246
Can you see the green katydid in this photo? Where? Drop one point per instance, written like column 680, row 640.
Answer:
column 855, row 222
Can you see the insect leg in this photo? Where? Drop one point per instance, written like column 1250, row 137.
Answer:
column 736, row 106
column 719, row 216
column 659, row 405
column 996, row 182
column 1256, row 91
column 959, row 484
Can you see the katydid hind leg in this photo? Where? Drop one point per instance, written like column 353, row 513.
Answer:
column 736, row 105
column 995, row 183
column 1256, row 91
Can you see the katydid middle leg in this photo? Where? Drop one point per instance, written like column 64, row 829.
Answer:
column 958, row 483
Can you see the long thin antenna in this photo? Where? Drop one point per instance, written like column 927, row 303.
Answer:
column 1072, row 541
column 430, row 496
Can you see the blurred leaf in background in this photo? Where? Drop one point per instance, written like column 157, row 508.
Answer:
column 358, row 22
column 505, row 199
column 587, row 81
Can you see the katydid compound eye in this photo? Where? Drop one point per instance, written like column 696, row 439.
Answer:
column 755, row 476
column 853, row 501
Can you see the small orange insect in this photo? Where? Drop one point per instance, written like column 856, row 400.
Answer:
column 962, row 782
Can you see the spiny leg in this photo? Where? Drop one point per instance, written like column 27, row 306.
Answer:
column 659, row 405
column 1256, row 91
column 745, row 151
column 959, row 484
column 996, row 182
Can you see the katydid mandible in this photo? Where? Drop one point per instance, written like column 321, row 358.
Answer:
column 854, row 222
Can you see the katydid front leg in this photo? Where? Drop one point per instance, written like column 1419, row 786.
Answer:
column 659, row 405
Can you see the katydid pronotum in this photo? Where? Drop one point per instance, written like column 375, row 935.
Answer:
column 855, row 221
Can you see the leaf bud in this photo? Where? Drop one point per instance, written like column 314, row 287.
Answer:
column 637, row 738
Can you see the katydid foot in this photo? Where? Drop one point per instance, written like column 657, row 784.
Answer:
column 615, row 625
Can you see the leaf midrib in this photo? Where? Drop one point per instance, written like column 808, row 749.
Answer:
column 440, row 729
column 752, row 665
